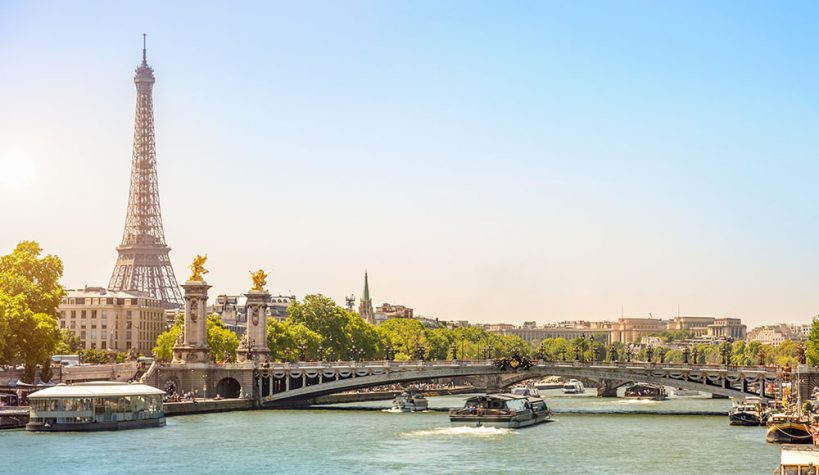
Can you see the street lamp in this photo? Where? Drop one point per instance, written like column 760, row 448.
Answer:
column 302, row 347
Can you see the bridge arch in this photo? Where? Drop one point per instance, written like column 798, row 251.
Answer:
column 303, row 382
column 228, row 388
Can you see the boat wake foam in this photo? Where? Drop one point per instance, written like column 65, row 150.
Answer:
column 393, row 410
column 462, row 431
column 637, row 401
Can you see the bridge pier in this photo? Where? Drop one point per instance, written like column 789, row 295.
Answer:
column 608, row 387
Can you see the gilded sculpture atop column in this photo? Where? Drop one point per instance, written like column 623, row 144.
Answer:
column 198, row 268
column 259, row 280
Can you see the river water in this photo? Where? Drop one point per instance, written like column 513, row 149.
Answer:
column 375, row 441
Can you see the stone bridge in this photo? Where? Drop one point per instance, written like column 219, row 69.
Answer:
column 283, row 383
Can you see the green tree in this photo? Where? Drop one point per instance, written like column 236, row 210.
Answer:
column 33, row 336
column 786, row 354
column 223, row 342
column 68, row 344
column 405, row 336
column 286, row 341
column 36, row 278
column 812, row 348
column 163, row 350
column 29, row 296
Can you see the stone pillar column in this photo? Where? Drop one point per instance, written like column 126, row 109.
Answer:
column 192, row 345
column 253, row 347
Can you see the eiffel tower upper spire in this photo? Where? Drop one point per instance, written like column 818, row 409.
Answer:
column 143, row 263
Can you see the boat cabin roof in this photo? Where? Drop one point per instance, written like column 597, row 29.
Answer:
column 800, row 454
column 97, row 389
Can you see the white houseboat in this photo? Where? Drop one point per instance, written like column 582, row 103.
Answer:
column 96, row 406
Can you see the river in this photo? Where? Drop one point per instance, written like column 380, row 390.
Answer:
column 607, row 440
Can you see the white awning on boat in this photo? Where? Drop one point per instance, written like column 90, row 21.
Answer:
column 101, row 389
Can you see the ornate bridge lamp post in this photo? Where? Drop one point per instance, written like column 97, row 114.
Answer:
column 390, row 353
column 563, row 353
column 582, row 348
column 612, row 354
column 489, row 352
column 463, row 339
column 353, row 350
column 455, row 351
column 360, row 354
column 302, row 348
column 649, row 353
column 629, row 352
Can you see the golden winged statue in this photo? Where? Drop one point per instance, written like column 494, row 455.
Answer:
column 259, row 279
column 198, row 268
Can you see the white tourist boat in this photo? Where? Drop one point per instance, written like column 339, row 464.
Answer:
column 501, row 410
column 573, row 387
column 409, row 402
column 525, row 391
column 96, row 406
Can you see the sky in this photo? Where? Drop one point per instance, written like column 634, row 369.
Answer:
column 487, row 161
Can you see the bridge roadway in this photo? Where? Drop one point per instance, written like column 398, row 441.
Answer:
column 280, row 383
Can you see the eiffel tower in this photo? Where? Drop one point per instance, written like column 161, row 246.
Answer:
column 143, row 263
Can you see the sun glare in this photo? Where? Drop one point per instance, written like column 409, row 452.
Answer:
column 16, row 171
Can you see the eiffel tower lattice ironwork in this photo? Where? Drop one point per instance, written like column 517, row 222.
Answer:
column 143, row 263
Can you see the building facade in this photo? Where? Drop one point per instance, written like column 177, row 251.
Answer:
column 395, row 311
column 109, row 320
column 630, row 330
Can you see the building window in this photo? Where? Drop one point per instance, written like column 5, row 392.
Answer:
column 81, row 301
column 93, row 314
column 104, row 345
column 109, row 301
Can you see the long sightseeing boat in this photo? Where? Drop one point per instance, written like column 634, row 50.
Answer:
column 645, row 391
column 409, row 402
column 501, row 410
column 96, row 406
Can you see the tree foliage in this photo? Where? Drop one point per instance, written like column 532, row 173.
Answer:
column 30, row 293
column 812, row 348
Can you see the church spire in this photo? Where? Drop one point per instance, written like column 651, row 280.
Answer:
column 365, row 305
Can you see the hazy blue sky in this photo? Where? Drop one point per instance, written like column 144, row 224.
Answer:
column 490, row 161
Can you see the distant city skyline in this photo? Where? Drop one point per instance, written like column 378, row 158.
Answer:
column 539, row 161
